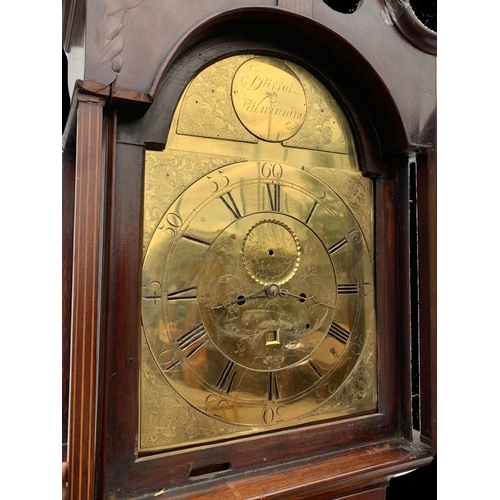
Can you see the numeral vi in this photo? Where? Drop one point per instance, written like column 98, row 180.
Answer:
column 227, row 377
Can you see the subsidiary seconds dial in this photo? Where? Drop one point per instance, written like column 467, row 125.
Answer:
column 254, row 303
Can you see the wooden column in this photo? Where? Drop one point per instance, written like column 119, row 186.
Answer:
column 427, row 235
column 68, row 209
column 86, row 306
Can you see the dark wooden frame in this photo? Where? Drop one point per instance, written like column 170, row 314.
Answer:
column 353, row 456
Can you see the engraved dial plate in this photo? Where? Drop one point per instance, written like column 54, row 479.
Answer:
column 254, row 303
column 257, row 300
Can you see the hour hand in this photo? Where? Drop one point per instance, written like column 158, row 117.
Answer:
column 267, row 292
column 312, row 301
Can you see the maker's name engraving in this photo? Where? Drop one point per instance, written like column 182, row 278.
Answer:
column 265, row 106
column 261, row 80
column 269, row 99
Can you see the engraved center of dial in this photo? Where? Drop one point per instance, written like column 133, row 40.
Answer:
column 271, row 252
column 266, row 292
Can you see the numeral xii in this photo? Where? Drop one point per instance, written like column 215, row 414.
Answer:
column 274, row 192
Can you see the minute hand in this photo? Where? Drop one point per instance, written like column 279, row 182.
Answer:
column 267, row 292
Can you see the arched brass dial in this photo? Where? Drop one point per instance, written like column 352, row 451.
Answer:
column 253, row 293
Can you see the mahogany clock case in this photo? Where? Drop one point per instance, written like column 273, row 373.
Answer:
column 132, row 126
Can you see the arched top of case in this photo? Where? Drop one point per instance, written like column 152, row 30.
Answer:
column 358, row 88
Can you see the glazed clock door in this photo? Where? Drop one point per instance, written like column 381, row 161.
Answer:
column 258, row 302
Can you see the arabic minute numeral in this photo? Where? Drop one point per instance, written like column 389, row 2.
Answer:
column 274, row 170
column 273, row 416
column 217, row 181
column 171, row 224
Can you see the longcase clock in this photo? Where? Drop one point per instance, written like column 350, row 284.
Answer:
column 238, row 243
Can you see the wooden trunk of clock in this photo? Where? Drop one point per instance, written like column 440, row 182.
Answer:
column 226, row 338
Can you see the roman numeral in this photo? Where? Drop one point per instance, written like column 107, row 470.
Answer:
column 227, row 378
column 337, row 246
column 230, row 204
column 315, row 369
column 311, row 212
column 274, row 193
column 170, row 362
column 272, row 387
column 185, row 294
column 156, row 287
column 338, row 333
column 168, row 365
column 347, row 288
column 196, row 240
column 193, row 340
column 153, row 297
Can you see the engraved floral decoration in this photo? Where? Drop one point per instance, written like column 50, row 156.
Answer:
column 323, row 127
column 271, row 265
column 207, row 110
column 173, row 170
column 356, row 192
column 166, row 419
column 360, row 389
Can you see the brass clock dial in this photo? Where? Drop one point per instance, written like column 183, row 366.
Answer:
column 257, row 293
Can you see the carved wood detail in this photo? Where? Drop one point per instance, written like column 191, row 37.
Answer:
column 110, row 31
